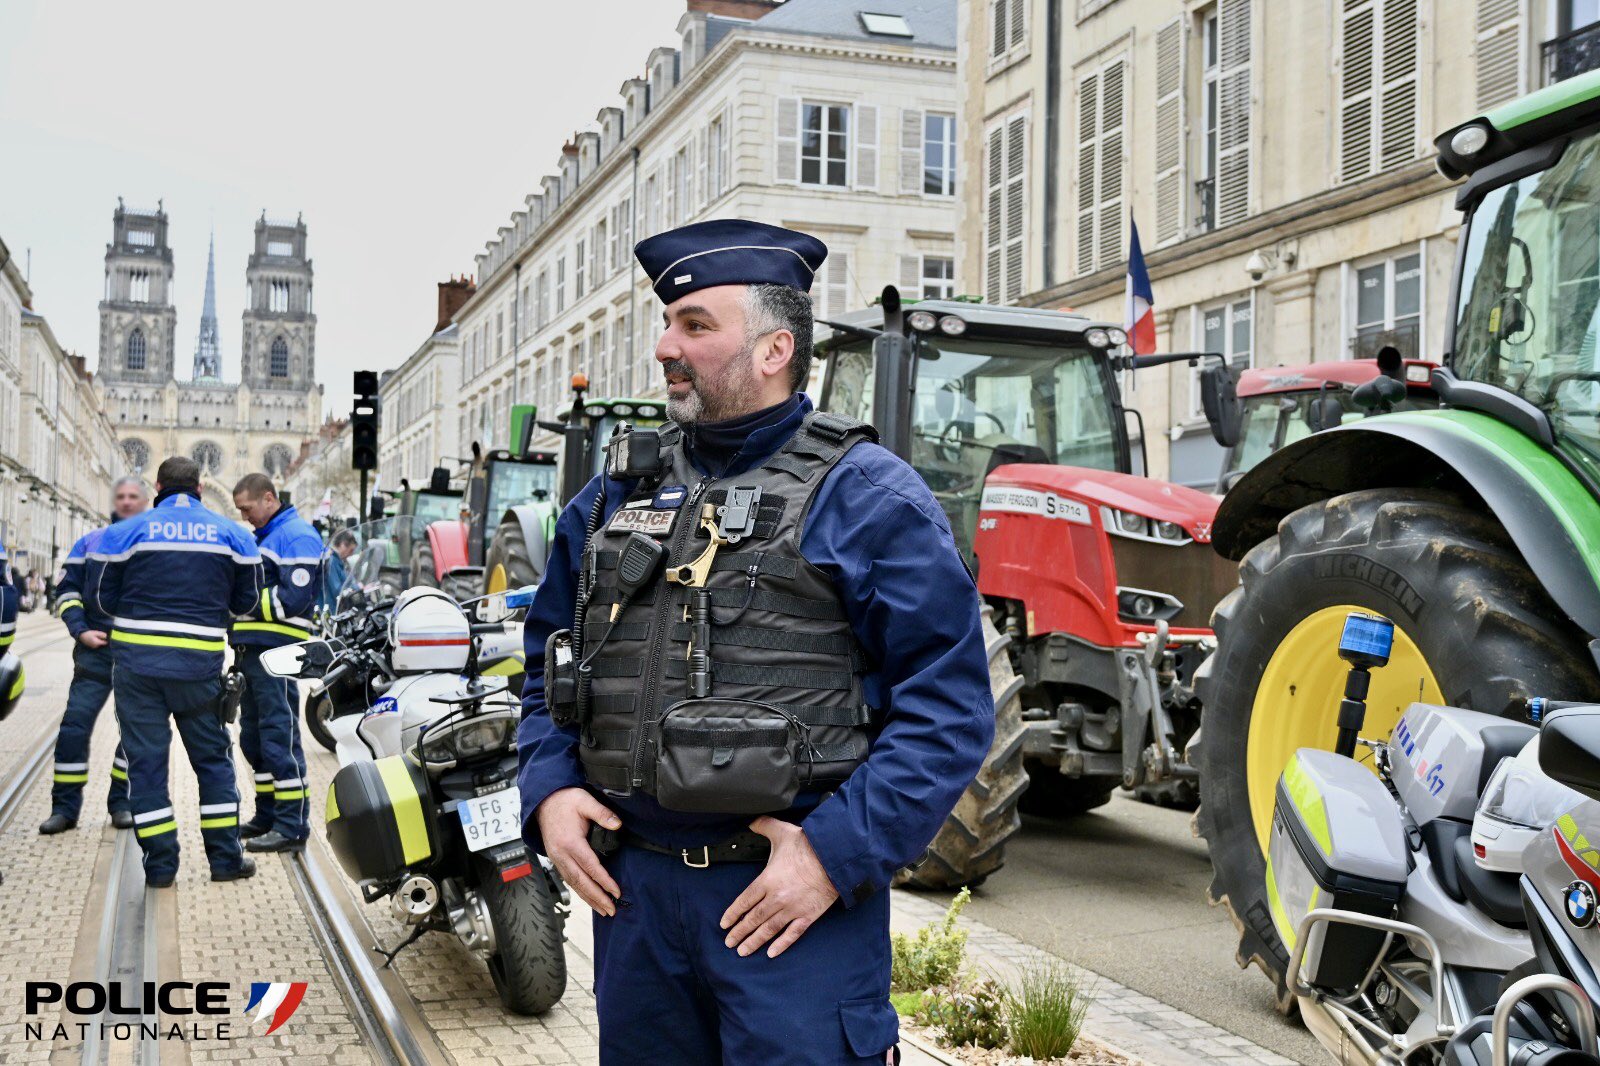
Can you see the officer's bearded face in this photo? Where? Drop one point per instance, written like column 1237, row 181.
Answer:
column 707, row 359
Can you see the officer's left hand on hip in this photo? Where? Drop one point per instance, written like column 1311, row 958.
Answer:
column 791, row 893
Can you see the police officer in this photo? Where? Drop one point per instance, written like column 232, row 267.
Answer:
column 91, row 680
column 170, row 580
column 836, row 633
column 8, row 603
column 269, row 720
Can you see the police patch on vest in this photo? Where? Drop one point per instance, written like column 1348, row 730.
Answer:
column 646, row 520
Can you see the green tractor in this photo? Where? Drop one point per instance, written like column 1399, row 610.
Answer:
column 1475, row 528
column 520, row 542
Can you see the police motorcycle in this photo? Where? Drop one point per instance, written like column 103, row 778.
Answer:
column 1400, row 893
column 375, row 575
column 424, row 810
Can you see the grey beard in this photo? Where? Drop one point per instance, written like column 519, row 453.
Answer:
column 686, row 410
column 733, row 396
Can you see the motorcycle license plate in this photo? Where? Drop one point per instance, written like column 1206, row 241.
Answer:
column 492, row 819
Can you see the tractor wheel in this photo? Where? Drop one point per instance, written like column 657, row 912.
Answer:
column 423, row 572
column 1052, row 794
column 1473, row 628
column 507, row 564
column 971, row 844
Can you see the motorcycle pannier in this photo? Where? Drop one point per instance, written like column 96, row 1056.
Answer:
column 380, row 819
column 1338, row 841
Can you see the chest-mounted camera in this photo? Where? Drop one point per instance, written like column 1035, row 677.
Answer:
column 633, row 454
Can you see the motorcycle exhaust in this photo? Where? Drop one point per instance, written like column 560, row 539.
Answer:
column 415, row 899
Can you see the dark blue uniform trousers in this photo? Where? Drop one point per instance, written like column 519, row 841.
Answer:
column 91, row 687
column 670, row 993
column 147, row 709
column 269, row 736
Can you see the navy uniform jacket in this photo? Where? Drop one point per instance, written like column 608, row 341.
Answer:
column 291, row 557
column 877, row 532
column 8, row 604
column 77, row 614
column 171, row 580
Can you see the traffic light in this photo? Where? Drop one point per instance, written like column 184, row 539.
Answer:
column 364, row 422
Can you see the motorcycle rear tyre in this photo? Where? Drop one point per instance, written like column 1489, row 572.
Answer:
column 529, row 965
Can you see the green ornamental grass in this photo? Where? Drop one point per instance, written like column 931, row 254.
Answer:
column 934, row 956
column 1045, row 1010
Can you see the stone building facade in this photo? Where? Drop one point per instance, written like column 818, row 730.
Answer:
column 1293, row 133
column 231, row 429
column 418, row 422
column 807, row 114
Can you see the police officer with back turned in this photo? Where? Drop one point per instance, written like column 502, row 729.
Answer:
column 269, row 718
column 756, row 686
column 91, row 679
column 170, row 580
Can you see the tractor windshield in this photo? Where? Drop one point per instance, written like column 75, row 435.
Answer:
column 1528, row 319
column 514, row 483
column 432, row 506
column 1275, row 419
column 982, row 403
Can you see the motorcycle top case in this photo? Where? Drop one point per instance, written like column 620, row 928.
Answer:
column 1442, row 758
column 1338, row 840
column 380, row 819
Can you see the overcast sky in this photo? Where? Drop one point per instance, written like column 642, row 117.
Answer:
column 406, row 133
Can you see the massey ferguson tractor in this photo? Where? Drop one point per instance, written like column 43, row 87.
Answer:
column 1097, row 583
column 1271, row 407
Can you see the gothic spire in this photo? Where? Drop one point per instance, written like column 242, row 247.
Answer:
column 207, row 354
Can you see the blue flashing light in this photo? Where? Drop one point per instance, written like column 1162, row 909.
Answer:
column 522, row 597
column 1367, row 640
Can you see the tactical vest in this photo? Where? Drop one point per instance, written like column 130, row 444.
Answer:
column 785, row 666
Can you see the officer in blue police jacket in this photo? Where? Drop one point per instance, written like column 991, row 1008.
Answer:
column 848, row 578
column 91, row 679
column 269, row 719
column 171, row 580
column 8, row 603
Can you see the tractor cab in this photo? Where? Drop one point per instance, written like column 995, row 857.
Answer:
column 500, row 481
column 1276, row 406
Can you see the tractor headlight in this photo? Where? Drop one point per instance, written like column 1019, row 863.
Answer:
column 482, row 734
column 594, row 410
column 1128, row 522
column 1118, row 337
column 923, row 321
column 647, row 411
column 951, row 326
column 1142, row 605
column 1170, row 531
column 1469, row 140
column 1097, row 337
column 623, row 409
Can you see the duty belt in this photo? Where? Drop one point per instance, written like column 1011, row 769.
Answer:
column 743, row 846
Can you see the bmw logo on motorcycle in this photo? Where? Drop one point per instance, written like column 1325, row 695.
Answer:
column 1581, row 904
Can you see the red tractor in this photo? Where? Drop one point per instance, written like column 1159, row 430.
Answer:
column 1275, row 406
column 1097, row 583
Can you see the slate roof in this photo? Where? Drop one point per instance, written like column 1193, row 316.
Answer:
column 932, row 22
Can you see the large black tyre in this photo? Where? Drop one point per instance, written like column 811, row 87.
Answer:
column 1052, row 794
column 971, row 844
column 529, row 965
column 1450, row 579
column 457, row 586
column 508, row 550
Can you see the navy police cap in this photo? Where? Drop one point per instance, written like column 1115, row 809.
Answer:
column 728, row 251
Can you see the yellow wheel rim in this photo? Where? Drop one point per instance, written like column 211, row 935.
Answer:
column 497, row 579
column 1297, row 702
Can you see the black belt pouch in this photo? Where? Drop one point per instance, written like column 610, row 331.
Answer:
column 727, row 756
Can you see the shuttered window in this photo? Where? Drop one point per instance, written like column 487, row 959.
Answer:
column 787, row 142
column 866, row 118
column 1007, row 26
column 830, row 290
column 1005, row 208
column 1169, row 132
column 1500, row 61
column 1378, row 86
column 1233, row 111
column 911, row 150
column 1101, row 110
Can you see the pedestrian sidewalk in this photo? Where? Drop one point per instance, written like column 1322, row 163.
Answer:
column 1137, row 1024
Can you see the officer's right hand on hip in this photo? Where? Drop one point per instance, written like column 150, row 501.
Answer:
column 92, row 638
column 564, row 819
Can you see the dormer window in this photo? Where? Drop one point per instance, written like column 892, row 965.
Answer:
column 881, row 25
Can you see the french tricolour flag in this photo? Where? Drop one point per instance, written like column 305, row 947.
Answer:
column 1141, row 317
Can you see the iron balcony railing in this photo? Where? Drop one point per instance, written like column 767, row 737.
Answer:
column 1205, row 199
column 1572, row 53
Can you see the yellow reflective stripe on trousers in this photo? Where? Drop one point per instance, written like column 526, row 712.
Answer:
column 219, row 823
column 120, row 775
column 293, row 794
column 72, row 779
column 7, row 639
column 158, row 829
column 407, row 807
column 263, row 786
column 272, row 627
column 186, row 643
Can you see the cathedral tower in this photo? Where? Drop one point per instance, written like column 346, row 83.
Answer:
column 137, row 319
column 280, row 331
column 207, row 352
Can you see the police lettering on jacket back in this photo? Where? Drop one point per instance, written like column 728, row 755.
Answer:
column 170, row 580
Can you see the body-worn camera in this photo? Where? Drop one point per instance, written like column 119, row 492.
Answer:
column 632, row 453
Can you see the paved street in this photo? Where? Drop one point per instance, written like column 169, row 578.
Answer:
column 1164, row 956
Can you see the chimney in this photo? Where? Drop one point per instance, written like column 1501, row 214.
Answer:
column 737, row 9
column 453, row 295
